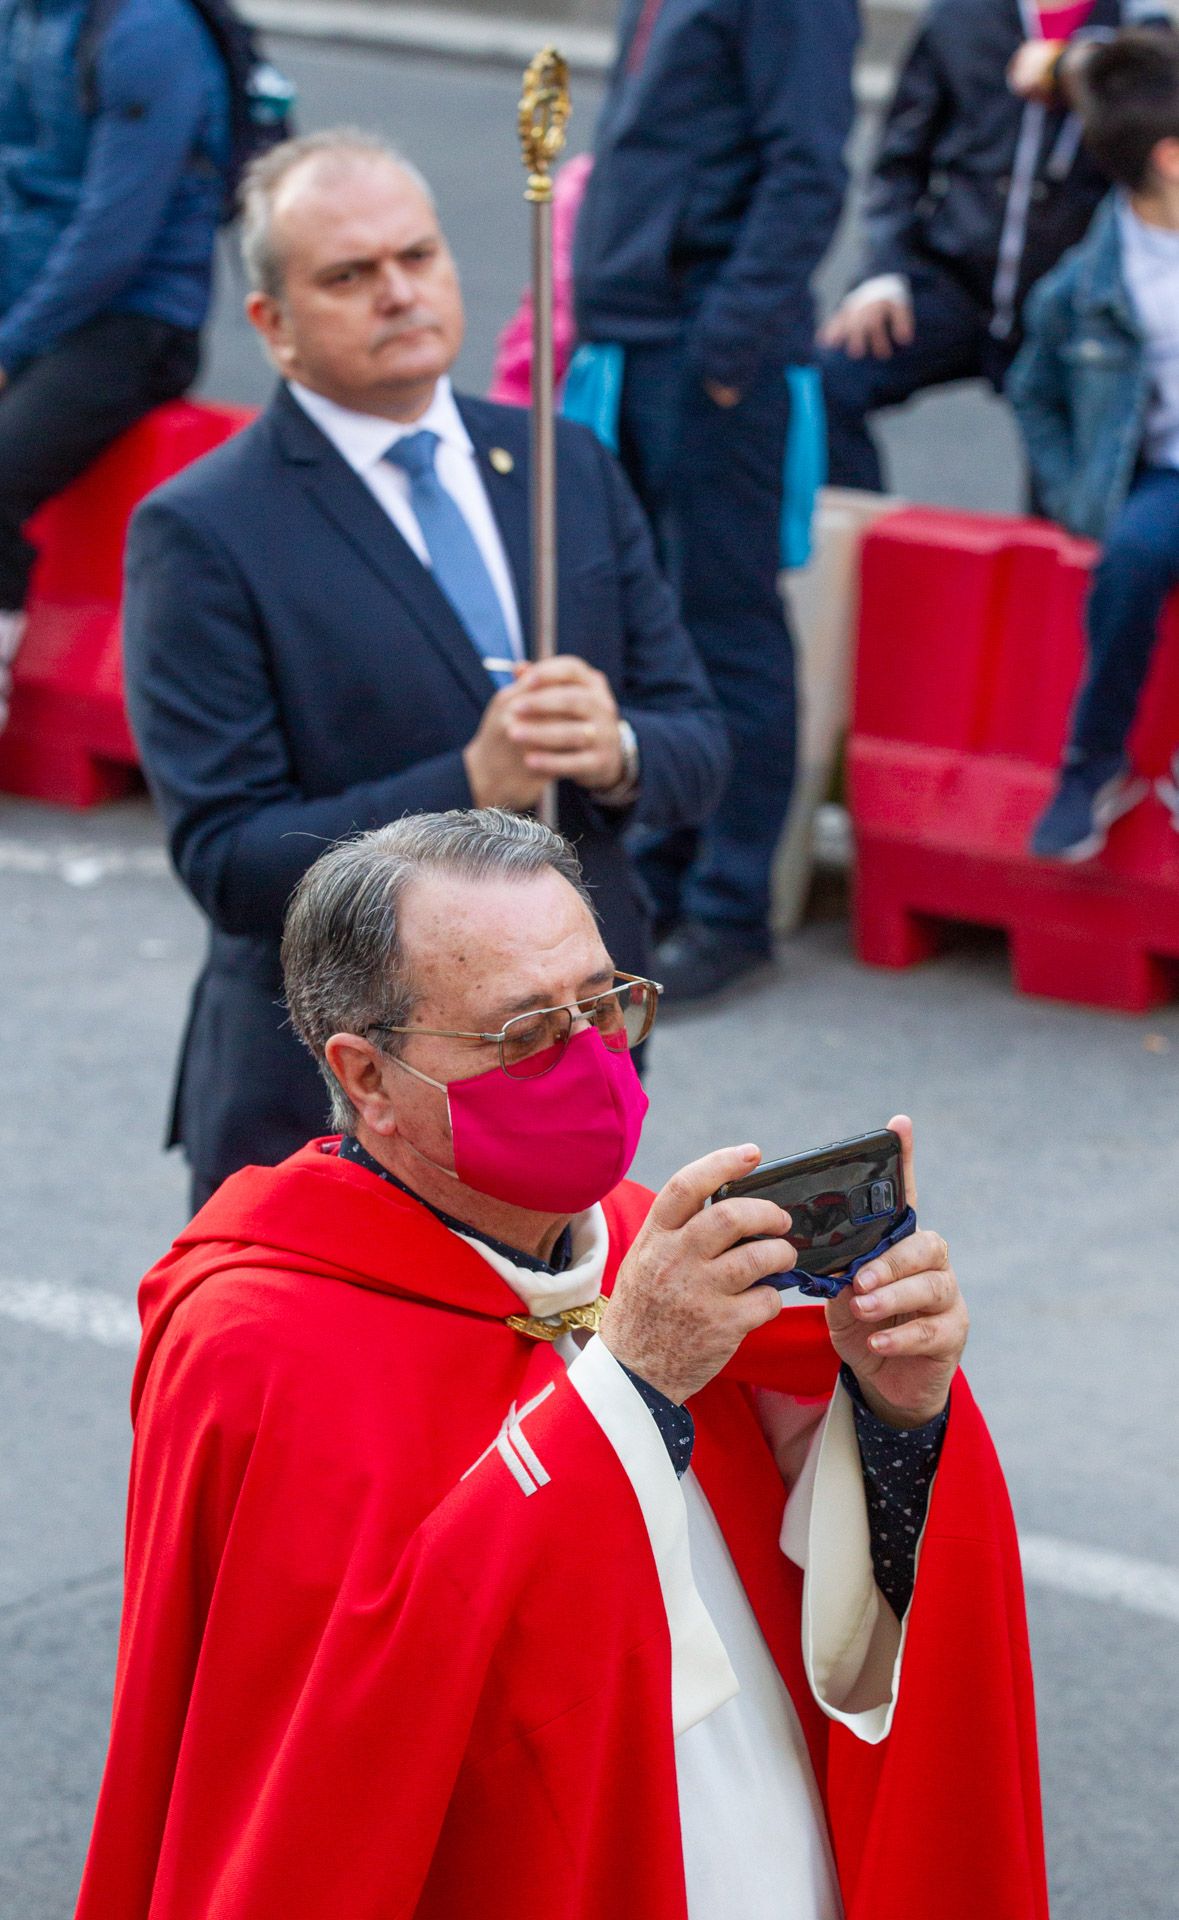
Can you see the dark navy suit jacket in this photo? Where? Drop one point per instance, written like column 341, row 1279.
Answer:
column 294, row 675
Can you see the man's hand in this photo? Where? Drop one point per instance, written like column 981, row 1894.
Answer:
column 562, row 719
column 1031, row 71
column 685, row 1296
column 902, row 1324
column 722, row 396
column 869, row 326
column 494, row 762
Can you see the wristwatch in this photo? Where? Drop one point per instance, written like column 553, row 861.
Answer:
column 624, row 789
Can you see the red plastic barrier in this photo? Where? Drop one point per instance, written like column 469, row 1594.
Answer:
column 969, row 654
column 68, row 739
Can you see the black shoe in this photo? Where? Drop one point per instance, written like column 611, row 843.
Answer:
column 698, row 960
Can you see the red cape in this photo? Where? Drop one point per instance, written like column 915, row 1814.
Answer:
column 358, row 1682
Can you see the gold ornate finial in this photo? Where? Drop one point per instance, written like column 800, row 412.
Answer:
column 543, row 116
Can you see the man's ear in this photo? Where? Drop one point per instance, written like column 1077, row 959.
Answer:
column 364, row 1074
column 268, row 318
column 1164, row 160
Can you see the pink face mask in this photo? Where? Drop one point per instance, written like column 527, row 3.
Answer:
column 556, row 1143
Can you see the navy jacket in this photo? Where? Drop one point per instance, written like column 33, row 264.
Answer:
column 115, row 211
column 940, row 181
column 718, row 180
column 294, row 675
column 1080, row 384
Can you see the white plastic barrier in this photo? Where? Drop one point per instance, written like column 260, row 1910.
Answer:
column 822, row 599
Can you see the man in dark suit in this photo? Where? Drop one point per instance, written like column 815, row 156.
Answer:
column 326, row 627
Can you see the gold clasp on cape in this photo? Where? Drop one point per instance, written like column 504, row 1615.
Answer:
column 555, row 1324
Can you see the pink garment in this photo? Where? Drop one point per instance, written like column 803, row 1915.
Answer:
column 511, row 377
column 1059, row 22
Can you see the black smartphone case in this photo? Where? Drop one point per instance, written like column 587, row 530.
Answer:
column 843, row 1199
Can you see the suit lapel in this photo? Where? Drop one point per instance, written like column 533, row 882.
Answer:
column 342, row 497
column 495, row 432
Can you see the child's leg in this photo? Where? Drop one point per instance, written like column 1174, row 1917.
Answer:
column 1136, row 571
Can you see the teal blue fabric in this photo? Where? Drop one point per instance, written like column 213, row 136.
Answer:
column 806, row 462
column 593, row 397
column 593, row 390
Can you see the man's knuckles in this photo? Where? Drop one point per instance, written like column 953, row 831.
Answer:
column 728, row 1221
column 743, row 1266
column 681, row 1195
column 934, row 1290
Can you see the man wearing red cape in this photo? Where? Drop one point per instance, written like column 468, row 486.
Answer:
column 496, row 1547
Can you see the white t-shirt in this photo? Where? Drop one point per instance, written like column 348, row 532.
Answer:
column 1150, row 263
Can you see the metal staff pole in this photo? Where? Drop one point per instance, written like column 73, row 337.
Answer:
column 543, row 115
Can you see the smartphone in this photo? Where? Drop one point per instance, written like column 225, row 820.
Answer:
column 842, row 1199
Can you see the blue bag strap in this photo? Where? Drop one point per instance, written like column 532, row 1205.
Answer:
column 593, row 396
column 825, row 1286
column 593, row 389
column 805, row 463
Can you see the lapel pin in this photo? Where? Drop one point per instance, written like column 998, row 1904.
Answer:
column 501, row 459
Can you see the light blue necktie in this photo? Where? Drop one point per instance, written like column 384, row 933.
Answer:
column 458, row 565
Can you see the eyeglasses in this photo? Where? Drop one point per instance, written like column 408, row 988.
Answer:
column 531, row 1044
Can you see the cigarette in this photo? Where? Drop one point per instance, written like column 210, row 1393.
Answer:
column 502, row 666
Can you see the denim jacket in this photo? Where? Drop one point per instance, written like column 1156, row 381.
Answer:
column 1080, row 384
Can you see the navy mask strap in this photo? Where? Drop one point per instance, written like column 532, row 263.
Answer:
column 822, row 1286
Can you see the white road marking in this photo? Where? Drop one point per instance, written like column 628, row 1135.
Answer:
column 80, row 865
column 77, row 1313
column 1089, row 1573
column 1093, row 1573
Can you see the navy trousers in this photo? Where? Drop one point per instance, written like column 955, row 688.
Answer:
column 1139, row 566
column 710, row 479
column 950, row 342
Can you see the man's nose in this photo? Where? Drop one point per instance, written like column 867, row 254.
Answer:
column 395, row 286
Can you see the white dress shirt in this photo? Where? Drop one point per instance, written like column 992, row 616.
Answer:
column 363, row 440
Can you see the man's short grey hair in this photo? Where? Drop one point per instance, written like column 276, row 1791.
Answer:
column 344, row 967
column 264, row 176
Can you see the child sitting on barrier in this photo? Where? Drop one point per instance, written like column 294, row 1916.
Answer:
column 1096, row 390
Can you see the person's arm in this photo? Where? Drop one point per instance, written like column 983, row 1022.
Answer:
column 899, row 179
column 151, row 93
column 1037, row 387
column 898, row 1465
column 207, row 722
column 684, row 753
column 796, row 66
column 1051, row 71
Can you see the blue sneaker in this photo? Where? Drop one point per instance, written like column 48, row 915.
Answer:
column 1090, row 796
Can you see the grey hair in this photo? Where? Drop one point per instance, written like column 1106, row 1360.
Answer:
column 264, row 176
column 344, row 967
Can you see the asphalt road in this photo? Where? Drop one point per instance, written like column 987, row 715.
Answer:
column 1046, row 1142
